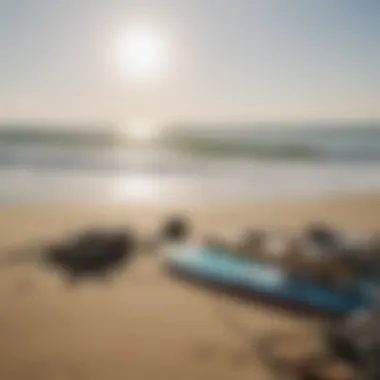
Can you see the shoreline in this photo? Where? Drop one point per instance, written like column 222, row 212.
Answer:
column 356, row 213
column 333, row 197
column 193, row 183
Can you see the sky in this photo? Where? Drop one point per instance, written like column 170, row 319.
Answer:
column 246, row 60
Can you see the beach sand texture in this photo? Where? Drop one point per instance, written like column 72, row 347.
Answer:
column 142, row 324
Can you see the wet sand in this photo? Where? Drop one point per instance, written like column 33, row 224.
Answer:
column 142, row 324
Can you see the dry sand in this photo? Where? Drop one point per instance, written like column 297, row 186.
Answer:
column 141, row 324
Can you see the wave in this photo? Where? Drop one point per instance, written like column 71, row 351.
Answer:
column 221, row 148
column 68, row 147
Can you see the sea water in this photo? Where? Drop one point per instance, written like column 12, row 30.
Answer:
column 193, row 163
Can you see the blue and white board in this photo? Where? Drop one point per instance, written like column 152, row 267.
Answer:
column 218, row 268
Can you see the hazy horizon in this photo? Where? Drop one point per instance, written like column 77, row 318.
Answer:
column 250, row 61
column 72, row 125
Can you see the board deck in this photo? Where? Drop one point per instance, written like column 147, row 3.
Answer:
column 218, row 267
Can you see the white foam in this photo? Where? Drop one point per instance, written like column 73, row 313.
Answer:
column 261, row 180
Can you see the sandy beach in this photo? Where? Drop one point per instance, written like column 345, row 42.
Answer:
column 142, row 324
column 244, row 116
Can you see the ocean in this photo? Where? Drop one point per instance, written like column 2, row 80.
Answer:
column 191, row 163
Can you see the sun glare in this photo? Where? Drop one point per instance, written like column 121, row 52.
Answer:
column 143, row 54
column 141, row 131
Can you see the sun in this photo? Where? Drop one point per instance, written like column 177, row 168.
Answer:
column 143, row 53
